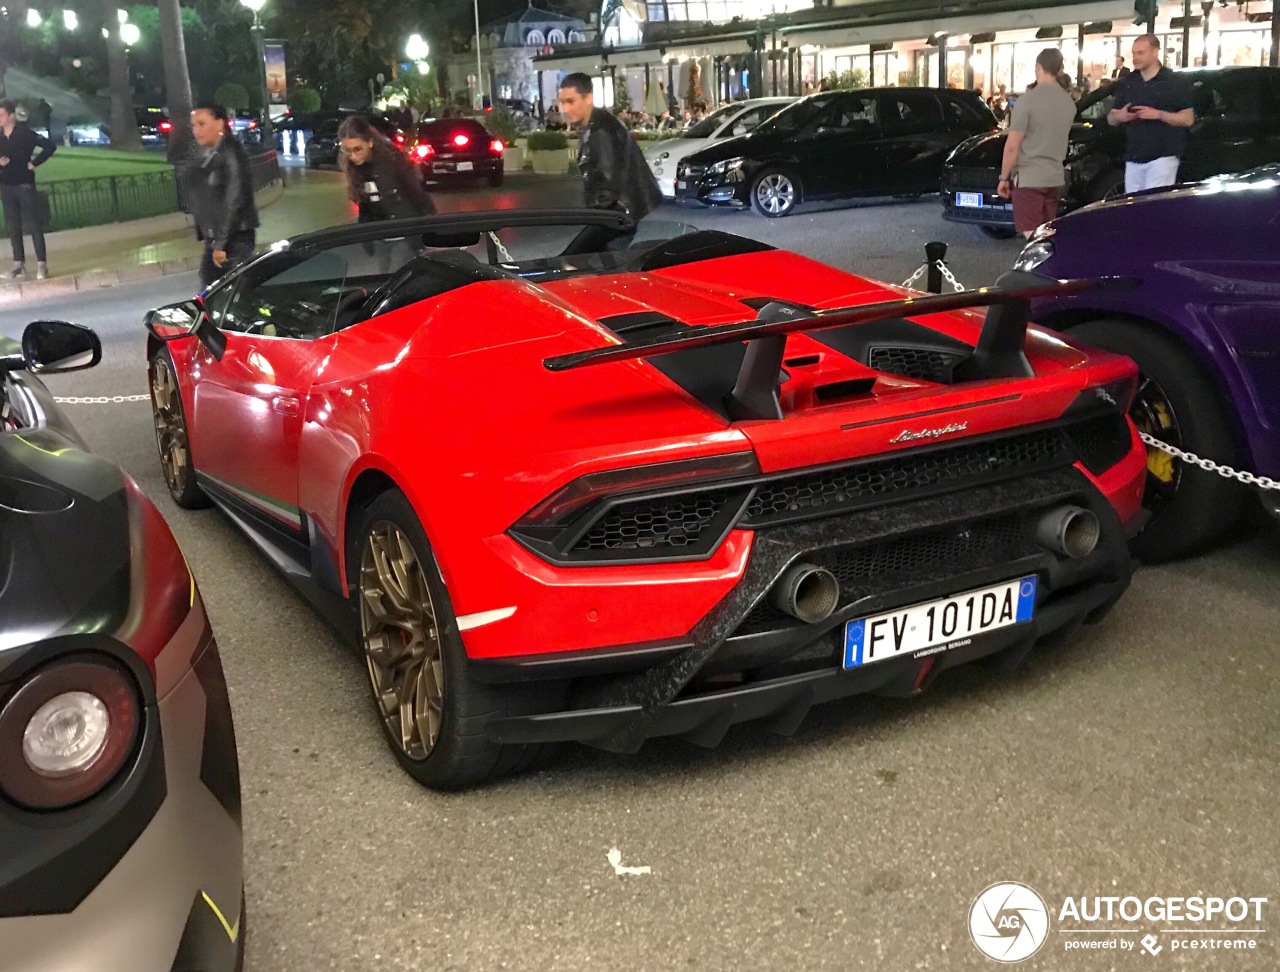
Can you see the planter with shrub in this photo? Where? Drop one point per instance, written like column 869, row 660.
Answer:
column 547, row 151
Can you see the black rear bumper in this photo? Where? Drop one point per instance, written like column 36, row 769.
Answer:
column 745, row 661
column 994, row 211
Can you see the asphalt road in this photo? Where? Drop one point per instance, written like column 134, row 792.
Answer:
column 1141, row 760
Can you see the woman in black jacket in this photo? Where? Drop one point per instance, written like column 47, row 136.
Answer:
column 381, row 181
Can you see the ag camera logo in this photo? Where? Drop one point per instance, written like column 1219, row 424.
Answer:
column 1009, row 922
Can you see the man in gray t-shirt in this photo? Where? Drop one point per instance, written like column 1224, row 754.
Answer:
column 1031, row 172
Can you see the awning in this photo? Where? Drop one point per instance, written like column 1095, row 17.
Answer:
column 848, row 35
column 590, row 63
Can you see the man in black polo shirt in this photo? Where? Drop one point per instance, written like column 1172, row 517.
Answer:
column 1155, row 104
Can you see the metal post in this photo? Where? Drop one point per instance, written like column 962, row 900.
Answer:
column 1080, row 55
column 1206, row 9
column 259, row 42
column 1186, row 32
column 934, row 254
column 1275, row 33
column 942, row 60
column 479, row 68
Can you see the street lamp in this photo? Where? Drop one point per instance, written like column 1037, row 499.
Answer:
column 416, row 48
column 130, row 34
column 33, row 17
column 69, row 20
column 259, row 43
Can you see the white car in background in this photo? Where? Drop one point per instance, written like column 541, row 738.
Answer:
column 726, row 121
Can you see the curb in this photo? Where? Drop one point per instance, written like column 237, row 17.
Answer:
column 16, row 293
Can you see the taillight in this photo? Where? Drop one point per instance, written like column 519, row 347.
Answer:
column 165, row 126
column 496, row 146
column 67, row 732
column 253, row 124
column 461, row 141
column 399, row 139
column 423, row 151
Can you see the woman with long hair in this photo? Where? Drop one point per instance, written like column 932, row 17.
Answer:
column 381, row 181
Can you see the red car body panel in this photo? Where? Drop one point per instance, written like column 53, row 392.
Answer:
column 450, row 400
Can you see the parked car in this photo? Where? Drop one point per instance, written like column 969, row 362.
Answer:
column 120, row 838
column 1237, row 128
column 154, row 125
column 871, row 142
column 494, row 505
column 322, row 144
column 1202, row 328
column 725, row 122
column 451, row 150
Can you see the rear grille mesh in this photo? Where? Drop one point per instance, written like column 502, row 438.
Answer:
column 923, row 363
column 796, row 497
column 903, row 560
column 1100, row 442
column 666, row 522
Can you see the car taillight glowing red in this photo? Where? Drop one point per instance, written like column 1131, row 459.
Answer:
column 423, row 151
column 461, row 141
column 399, row 138
column 67, row 732
column 165, row 126
column 253, row 124
column 496, row 146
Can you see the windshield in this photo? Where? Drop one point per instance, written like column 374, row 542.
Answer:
column 707, row 127
column 1096, row 105
column 794, row 117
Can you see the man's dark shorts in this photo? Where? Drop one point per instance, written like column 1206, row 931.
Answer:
column 1032, row 207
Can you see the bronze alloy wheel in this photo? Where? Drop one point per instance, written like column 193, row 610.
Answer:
column 401, row 641
column 171, row 433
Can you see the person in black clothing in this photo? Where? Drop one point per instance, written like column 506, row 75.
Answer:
column 19, row 145
column 221, row 194
column 381, row 181
column 1154, row 105
column 614, row 173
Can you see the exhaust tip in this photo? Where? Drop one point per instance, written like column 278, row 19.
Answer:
column 806, row 592
column 1071, row 531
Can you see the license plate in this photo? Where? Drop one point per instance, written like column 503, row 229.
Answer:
column 950, row 622
column 971, row 200
column 680, row 184
column 465, row 166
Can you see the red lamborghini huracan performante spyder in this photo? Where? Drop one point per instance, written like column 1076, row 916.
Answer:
column 565, row 481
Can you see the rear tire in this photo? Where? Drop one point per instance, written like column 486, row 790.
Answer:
column 172, row 437
column 1109, row 185
column 1177, row 403
column 417, row 666
column 775, row 193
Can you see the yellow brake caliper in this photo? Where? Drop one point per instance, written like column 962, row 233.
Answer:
column 1160, row 464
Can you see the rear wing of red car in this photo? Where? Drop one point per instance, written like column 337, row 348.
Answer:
column 997, row 354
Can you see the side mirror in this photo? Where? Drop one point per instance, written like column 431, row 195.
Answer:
column 187, row 319
column 55, row 346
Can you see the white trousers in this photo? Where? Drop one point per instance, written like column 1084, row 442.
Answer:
column 1155, row 174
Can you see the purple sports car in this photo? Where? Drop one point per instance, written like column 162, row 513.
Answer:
column 1204, row 328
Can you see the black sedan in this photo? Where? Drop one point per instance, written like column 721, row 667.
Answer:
column 457, row 149
column 1237, row 128
column 870, row 142
column 120, row 839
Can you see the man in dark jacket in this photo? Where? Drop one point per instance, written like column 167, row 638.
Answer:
column 19, row 145
column 220, row 192
column 614, row 173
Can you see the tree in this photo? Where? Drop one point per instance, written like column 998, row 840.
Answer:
column 845, row 80
column 303, row 101
column 124, row 127
column 231, row 96
column 177, row 82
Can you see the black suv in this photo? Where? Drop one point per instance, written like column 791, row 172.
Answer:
column 1237, row 128
column 869, row 142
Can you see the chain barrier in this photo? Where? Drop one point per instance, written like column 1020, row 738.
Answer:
column 101, row 399
column 1208, row 465
column 503, row 252
column 947, row 275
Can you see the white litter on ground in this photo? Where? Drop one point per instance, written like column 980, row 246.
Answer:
column 615, row 858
